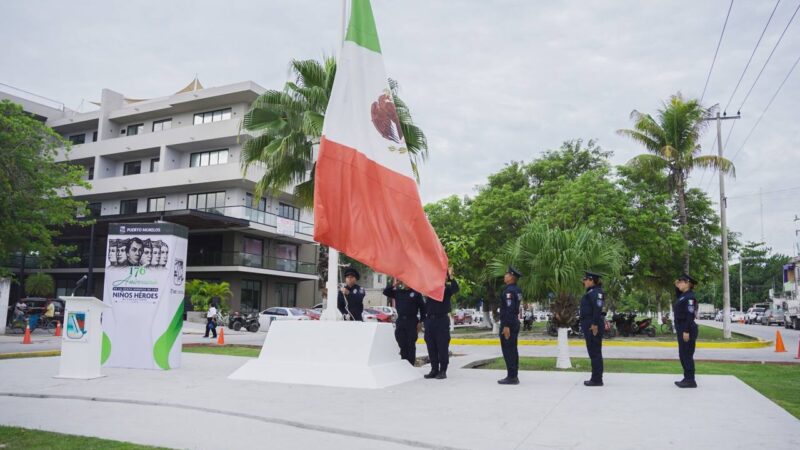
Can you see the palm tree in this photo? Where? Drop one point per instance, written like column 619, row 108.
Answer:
column 286, row 127
column 673, row 142
column 553, row 261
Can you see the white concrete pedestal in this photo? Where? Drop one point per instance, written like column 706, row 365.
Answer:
column 82, row 340
column 336, row 353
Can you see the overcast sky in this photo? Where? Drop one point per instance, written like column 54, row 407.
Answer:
column 488, row 81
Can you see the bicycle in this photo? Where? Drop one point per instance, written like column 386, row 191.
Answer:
column 48, row 324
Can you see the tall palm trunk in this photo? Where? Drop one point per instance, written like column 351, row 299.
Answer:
column 682, row 217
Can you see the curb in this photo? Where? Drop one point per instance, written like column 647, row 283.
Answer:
column 611, row 343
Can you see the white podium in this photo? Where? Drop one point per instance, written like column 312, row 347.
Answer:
column 329, row 353
column 82, row 338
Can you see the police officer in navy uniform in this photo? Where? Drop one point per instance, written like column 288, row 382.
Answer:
column 510, row 301
column 437, row 329
column 351, row 296
column 592, row 325
column 684, row 310
column 408, row 303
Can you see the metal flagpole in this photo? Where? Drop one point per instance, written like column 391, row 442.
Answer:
column 331, row 312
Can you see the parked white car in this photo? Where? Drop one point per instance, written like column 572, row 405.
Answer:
column 266, row 317
column 736, row 316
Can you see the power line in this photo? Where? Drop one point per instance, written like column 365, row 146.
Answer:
column 711, row 69
column 769, row 57
column 751, row 56
column 767, row 192
column 755, row 125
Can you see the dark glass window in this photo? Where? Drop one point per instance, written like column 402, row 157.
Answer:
column 251, row 296
column 211, row 158
column 90, row 172
column 128, row 206
column 209, row 201
column 94, row 136
column 77, row 138
column 94, row 208
column 212, row 116
column 288, row 211
column 286, row 293
column 154, row 164
column 132, row 168
column 133, row 130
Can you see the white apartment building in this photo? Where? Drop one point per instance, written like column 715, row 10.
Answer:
column 177, row 159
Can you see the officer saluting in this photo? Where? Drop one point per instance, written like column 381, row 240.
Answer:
column 684, row 310
column 408, row 303
column 351, row 297
column 510, row 301
column 437, row 329
column 592, row 325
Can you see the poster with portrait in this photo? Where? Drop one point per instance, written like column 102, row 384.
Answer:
column 145, row 276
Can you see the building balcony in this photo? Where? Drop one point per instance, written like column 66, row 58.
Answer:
column 205, row 259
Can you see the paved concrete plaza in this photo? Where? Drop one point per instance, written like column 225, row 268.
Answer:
column 196, row 406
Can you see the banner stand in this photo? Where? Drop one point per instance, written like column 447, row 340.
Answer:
column 82, row 341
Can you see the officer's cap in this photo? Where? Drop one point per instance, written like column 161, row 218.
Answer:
column 514, row 272
column 350, row 271
column 591, row 276
column 687, row 277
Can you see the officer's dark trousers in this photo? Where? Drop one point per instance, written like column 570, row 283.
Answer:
column 405, row 333
column 594, row 346
column 211, row 326
column 686, row 351
column 437, row 338
column 509, row 347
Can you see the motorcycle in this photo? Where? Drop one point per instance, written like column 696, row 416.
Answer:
column 623, row 323
column 249, row 322
column 644, row 327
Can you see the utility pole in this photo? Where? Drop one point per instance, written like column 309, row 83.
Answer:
column 726, row 282
column 761, row 201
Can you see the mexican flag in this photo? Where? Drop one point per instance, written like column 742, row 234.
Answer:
column 366, row 202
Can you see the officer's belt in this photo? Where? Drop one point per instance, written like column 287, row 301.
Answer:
column 435, row 316
column 406, row 317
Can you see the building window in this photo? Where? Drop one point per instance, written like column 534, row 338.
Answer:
column 77, row 138
column 161, row 125
column 64, row 287
column 251, row 296
column 154, row 164
column 94, row 136
column 211, row 158
column 288, row 212
column 94, row 209
column 209, row 201
column 156, row 204
column 286, row 293
column 286, row 257
column 252, row 252
column 212, row 116
column 261, row 205
column 133, row 130
column 90, row 173
column 128, row 206
column 132, row 168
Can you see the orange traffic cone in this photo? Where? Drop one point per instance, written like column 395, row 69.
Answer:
column 798, row 350
column 58, row 328
column 27, row 338
column 779, row 342
column 221, row 337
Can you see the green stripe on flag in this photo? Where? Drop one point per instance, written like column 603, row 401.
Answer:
column 361, row 29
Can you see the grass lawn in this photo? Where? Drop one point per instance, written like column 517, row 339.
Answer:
column 706, row 334
column 780, row 383
column 228, row 350
column 22, row 438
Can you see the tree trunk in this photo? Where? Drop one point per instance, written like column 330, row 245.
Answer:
column 682, row 217
column 5, row 290
column 563, row 361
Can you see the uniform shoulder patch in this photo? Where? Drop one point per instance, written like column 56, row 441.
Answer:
column 508, row 295
column 412, row 294
column 599, row 301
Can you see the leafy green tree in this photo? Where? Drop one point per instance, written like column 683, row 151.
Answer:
column 35, row 190
column 761, row 271
column 569, row 162
column 672, row 139
column 286, row 127
column 40, row 285
column 201, row 292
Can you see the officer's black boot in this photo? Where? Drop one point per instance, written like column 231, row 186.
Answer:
column 686, row 384
column 432, row 374
column 441, row 375
column 592, row 383
column 508, row 380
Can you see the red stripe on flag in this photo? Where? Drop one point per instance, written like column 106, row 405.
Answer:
column 374, row 214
